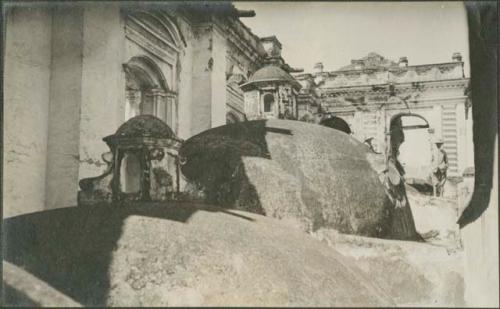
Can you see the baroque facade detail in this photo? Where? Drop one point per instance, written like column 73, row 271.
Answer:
column 370, row 91
column 194, row 68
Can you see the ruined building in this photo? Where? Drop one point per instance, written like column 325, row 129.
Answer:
column 370, row 91
column 75, row 72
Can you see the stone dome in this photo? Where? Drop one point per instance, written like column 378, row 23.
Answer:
column 183, row 254
column 272, row 73
column 312, row 175
column 144, row 126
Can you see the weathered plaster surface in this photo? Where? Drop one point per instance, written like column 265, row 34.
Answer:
column 203, row 61
column 65, row 99
column 103, row 84
column 26, row 108
column 218, row 79
column 480, row 239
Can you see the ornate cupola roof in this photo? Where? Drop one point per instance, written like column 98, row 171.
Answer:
column 270, row 74
column 142, row 126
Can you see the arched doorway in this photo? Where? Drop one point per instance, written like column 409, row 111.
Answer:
column 411, row 144
column 268, row 103
column 337, row 123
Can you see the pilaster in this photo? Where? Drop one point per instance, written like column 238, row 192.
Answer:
column 209, row 79
column 65, row 100
column 103, row 83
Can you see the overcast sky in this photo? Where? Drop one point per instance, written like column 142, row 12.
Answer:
column 336, row 32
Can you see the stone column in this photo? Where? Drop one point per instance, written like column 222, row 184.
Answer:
column 132, row 103
column 438, row 123
column 469, row 142
column 65, row 104
column 461, row 138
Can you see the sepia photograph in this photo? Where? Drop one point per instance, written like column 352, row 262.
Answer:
column 250, row 154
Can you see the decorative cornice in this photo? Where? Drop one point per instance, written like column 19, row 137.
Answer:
column 382, row 88
column 420, row 67
column 240, row 44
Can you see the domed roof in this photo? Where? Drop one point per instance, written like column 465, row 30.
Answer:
column 144, row 126
column 272, row 73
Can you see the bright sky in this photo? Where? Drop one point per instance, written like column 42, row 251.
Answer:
column 336, row 32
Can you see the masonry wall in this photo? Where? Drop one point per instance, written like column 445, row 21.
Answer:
column 218, row 79
column 26, row 108
column 64, row 112
column 103, row 84
column 185, row 84
column 209, row 85
column 480, row 240
column 65, row 91
column 237, row 62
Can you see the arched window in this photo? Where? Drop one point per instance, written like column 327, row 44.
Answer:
column 410, row 135
column 147, row 91
column 268, row 103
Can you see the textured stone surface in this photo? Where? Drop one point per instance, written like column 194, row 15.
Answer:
column 182, row 254
column 413, row 274
column 310, row 174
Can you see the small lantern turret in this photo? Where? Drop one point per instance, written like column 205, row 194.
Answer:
column 271, row 92
column 142, row 165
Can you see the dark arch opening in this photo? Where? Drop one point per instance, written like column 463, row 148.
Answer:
column 397, row 128
column 409, row 135
column 145, row 89
column 337, row 123
column 143, row 72
column 268, row 102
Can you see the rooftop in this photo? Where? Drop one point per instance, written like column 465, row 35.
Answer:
column 372, row 60
column 272, row 73
column 143, row 126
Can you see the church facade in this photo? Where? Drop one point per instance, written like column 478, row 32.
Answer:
column 370, row 91
column 75, row 72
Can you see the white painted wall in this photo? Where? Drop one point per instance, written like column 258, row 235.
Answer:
column 480, row 240
column 64, row 113
column 103, row 84
column 218, row 79
column 26, row 109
